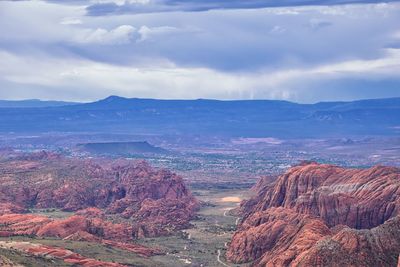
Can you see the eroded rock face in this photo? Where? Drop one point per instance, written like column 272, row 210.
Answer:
column 277, row 234
column 359, row 198
column 155, row 202
column 306, row 218
column 378, row 246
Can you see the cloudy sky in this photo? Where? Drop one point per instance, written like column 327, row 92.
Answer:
column 225, row 49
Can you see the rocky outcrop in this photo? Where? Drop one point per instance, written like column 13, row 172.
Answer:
column 155, row 202
column 291, row 239
column 358, row 198
column 6, row 208
column 48, row 252
column 277, row 234
column 77, row 228
column 378, row 246
column 315, row 213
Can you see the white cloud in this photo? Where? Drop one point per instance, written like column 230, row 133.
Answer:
column 176, row 82
column 120, row 35
column 121, row 2
column 125, row 34
column 71, row 21
column 148, row 33
column 258, row 53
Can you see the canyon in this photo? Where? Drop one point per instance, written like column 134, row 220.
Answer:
column 110, row 202
column 312, row 215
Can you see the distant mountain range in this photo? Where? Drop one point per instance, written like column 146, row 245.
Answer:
column 248, row 118
column 32, row 103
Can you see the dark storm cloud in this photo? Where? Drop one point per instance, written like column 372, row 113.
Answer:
column 305, row 54
column 151, row 6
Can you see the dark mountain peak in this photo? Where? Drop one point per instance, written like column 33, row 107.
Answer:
column 113, row 98
column 112, row 101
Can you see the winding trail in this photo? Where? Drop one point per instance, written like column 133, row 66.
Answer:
column 219, row 259
column 226, row 244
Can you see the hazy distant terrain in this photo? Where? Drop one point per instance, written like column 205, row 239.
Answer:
column 244, row 118
column 121, row 148
column 32, row 103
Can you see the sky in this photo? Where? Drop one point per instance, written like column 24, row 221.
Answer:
column 299, row 50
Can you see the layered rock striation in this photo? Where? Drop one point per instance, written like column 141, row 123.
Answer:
column 316, row 212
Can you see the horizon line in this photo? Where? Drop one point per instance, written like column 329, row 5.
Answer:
column 192, row 99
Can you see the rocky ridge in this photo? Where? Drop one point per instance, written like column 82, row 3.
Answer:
column 316, row 212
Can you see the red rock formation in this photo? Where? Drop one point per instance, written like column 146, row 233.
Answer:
column 83, row 236
column 126, row 189
column 300, row 221
column 378, row 246
column 6, row 208
column 277, row 234
column 263, row 184
column 135, row 248
column 63, row 228
column 76, row 228
column 92, row 212
column 22, row 224
column 68, row 256
column 359, row 198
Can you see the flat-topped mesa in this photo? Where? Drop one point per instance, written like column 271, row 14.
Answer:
column 307, row 218
column 358, row 198
column 124, row 188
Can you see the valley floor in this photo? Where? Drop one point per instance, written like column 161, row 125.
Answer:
column 202, row 245
column 205, row 243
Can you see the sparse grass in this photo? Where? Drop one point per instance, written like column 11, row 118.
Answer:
column 52, row 213
column 210, row 233
column 31, row 261
column 92, row 250
column 199, row 245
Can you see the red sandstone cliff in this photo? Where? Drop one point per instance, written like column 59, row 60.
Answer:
column 154, row 202
column 305, row 219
